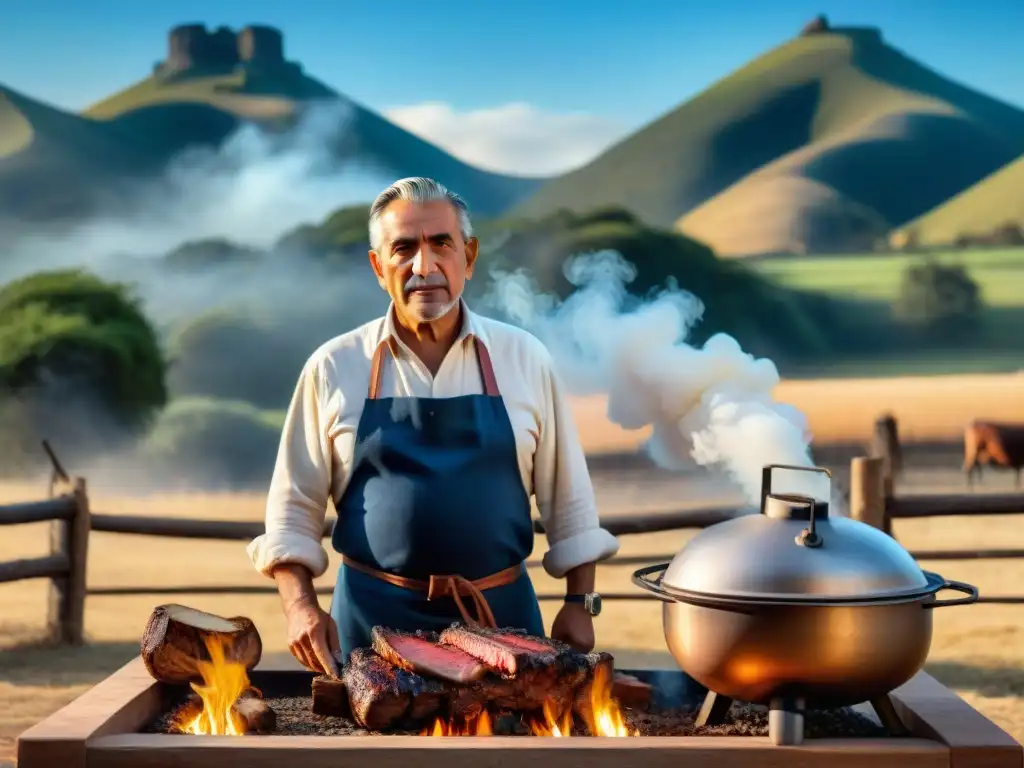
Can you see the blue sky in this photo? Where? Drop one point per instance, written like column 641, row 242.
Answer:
column 599, row 69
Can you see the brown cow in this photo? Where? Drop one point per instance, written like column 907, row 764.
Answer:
column 988, row 442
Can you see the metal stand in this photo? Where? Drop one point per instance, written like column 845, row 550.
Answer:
column 786, row 722
column 786, row 717
column 888, row 716
column 713, row 710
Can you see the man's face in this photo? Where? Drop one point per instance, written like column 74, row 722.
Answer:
column 423, row 262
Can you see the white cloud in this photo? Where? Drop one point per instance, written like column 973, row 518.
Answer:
column 512, row 138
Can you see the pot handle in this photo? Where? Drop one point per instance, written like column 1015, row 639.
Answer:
column 957, row 586
column 649, row 578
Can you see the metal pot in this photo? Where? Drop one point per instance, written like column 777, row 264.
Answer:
column 795, row 605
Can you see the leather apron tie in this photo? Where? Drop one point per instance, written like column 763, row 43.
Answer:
column 453, row 586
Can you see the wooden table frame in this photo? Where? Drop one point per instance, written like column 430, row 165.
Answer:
column 100, row 728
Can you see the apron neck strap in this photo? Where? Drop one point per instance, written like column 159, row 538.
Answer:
column 483, row 359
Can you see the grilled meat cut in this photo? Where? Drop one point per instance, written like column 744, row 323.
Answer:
column 405, row 678
column 420, row 653
column 499, row 650
column 382, row 696
column 529, row 670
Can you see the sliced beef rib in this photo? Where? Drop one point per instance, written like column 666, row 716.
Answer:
column 420, row 653
column 505, row 653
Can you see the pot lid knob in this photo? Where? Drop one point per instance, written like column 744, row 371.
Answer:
column 794, row 506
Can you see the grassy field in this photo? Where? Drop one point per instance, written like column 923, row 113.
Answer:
column 999, row 272
column 929, row 408
column 979, row 650
column 874, row 279
column 991, row 203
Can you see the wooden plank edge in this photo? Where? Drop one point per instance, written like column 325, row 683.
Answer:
column 120, row 703
column 157, row 751
column 932, row 711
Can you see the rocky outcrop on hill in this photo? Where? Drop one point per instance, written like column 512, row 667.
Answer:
column 192, row 48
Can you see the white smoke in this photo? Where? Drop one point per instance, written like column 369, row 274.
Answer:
column 250, row 190
column 710, row 405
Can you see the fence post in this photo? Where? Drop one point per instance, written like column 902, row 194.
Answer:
column 867, row 492
column 67, row 595
column 885, row 444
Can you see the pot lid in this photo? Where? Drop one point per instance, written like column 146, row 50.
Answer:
column 779, row 555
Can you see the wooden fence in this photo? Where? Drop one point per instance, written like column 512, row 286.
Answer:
column 871, row 500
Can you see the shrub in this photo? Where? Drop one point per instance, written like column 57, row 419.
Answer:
column 77, row 355
column 939, row 299
column 213, row 443
column 227, row 355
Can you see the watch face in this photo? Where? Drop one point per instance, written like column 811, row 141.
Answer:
column 594, row 603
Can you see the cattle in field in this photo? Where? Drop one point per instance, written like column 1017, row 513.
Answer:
column 993, row 443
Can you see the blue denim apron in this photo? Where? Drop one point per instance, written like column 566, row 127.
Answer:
column 435, row 515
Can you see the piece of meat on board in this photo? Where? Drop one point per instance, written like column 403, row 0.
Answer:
column 381, row 696
column 501, row 650
column 421, row 653
column 631, row 692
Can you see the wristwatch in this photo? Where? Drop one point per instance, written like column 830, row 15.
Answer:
column 591, row 602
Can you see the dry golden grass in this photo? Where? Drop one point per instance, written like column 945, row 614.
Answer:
column 843, row 410
column 978, row 650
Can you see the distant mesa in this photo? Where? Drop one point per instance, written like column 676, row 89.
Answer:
column 819, row 25
column 815, row 26
column 194, row 50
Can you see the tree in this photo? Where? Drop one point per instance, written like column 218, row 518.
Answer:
column 234, row 356
column 939, row 299
column 77, row 357
column 212, row 443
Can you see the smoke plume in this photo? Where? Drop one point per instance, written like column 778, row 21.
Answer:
column 249, row 191
column 710, row 405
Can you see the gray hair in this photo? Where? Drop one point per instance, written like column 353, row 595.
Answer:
column 417, row 189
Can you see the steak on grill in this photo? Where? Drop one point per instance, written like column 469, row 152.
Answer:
column 545, row 669
column 420, row 653
column 503, row 652
column 382, row 696
column 408, row 677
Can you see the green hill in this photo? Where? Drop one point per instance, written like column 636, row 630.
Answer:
column 211, row 83
column 994, row 202
column 825, row 142
column 56, row 162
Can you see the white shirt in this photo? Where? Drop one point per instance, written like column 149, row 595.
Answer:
column 314, row 460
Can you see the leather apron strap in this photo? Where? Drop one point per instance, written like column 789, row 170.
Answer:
column 483, row 358
column 453, row 586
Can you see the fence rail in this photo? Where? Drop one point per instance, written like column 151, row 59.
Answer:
column 871, row 500
column 236, row 530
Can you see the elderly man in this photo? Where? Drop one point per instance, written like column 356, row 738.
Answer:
column 429, row 428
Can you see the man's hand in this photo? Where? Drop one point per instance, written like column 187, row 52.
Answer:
column 312, row 633
column 575, row 627
column 313, row 637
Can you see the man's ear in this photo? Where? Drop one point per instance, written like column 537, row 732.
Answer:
column 375, row 265
column 472, row 251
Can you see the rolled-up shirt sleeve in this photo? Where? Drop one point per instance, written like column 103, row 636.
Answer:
column 562, row 487
column 301, row 483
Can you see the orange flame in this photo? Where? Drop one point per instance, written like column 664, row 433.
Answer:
column 475, row 726
column 605, row 717
column 223, row 682
column 553, row 725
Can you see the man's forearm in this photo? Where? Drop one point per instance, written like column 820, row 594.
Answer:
column 581, row 579
column 295, row 585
